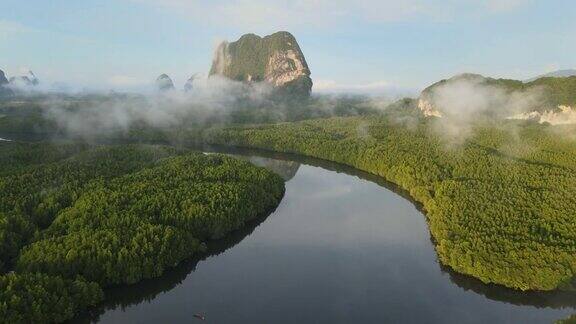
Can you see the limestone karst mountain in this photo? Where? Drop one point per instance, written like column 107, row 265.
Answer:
column 564, row 115
column 275, row 59
column 547, row 99
column 434, row 99
column 24, row 81
column 164, row 83
column 3, row 79
column 189, row 85
column 4, row 90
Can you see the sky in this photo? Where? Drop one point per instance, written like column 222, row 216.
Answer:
column 356, row 46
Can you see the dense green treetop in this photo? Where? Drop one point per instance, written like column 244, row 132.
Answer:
column 112, row 215
column 500, row 205
column 553, row 91
column 39, row 298
column 168, row 209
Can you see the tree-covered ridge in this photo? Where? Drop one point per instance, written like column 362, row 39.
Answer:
column 508, row 84
column 39, row 298
column 29, row 200
column 17, row 156
column 139, row 224
column 558, row 91
column 553, row 91
column 114, row 215
column 500, row 206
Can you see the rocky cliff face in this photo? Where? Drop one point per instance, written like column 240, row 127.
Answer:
column 275, row 59
column 25, row 81
column 3, row 79
column 164, row 83
column 4, row 90
column 563, row 115
column 428, row 109
column 546, row 99
column 447, row 91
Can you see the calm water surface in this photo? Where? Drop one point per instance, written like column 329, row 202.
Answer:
column 340, row 248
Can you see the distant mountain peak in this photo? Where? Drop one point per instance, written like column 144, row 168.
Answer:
column 25, row 81
column 189, row 86
column 552, row 98
column 164, row 83
column 555, row 74
column 4, row 90
column 3, row 79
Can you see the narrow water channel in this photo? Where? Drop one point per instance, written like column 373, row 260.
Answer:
column 342, row 247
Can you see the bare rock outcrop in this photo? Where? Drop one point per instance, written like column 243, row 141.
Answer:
column 4, row 85
column 564, row 115
column 428, row 109
column 275, row 59
column 3, row 79
column 24, row 82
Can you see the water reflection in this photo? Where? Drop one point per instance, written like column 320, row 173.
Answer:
column 122, row 297
column 284, row 168
column 556, row 299
column 340, row 248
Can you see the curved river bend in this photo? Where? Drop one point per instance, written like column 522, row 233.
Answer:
column 342, row 247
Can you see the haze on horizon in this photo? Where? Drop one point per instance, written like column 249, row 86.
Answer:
column 351, row 46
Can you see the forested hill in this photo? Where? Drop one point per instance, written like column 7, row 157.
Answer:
column 500, row 205
column 76, row 218
column 553, row 91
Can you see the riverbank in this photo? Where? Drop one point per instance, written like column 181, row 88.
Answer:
column 113, row 215
column 342, row 246
column 479, row 199
column 492, row 200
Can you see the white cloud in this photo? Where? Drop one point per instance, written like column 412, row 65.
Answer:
column 551, row 67
column 333, row 86
column 504, row 5
column 124, row 81
column 9, row 29
column 295, row 14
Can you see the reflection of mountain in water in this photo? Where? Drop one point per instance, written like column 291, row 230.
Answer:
column 286, row 169
column 550, row 300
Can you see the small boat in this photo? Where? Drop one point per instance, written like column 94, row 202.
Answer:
column 200, row 316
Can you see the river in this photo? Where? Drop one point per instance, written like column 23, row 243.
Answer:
column 342, row 247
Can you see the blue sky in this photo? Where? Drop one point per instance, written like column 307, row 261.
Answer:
column 363, row 45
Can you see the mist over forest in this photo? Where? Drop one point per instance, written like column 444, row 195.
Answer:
column 382, row 162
